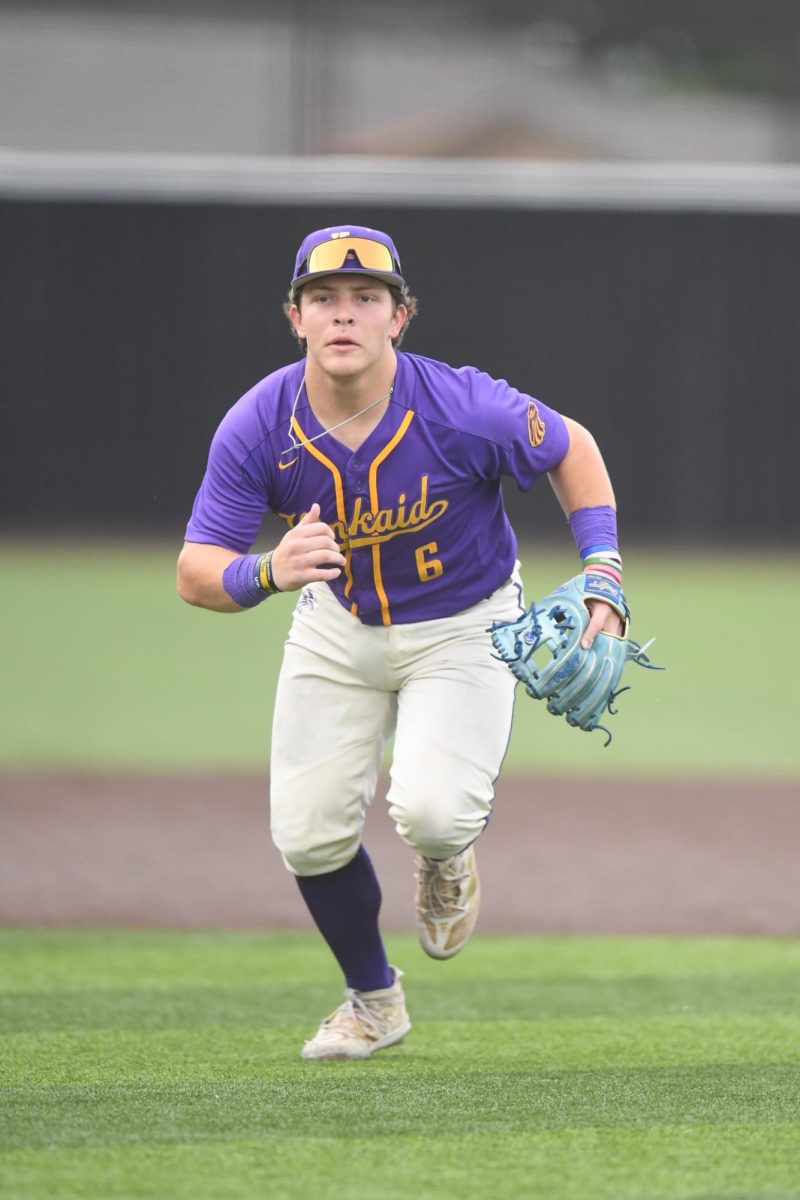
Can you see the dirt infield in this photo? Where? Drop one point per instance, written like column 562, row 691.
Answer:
column 560, row 856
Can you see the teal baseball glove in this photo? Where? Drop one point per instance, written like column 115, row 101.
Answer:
column 543, row 649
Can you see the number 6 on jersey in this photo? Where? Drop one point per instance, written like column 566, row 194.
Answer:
column 428, row 568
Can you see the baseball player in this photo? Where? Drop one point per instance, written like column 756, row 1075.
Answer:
column 386, row 468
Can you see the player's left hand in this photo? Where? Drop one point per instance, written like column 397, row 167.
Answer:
column 602, row 619
column 580, row 681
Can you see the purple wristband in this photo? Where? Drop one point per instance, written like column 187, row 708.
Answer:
column 593, row 528
column 240, row 580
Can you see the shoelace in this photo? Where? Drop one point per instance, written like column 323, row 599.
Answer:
column 356, row 1011
column 442, row 892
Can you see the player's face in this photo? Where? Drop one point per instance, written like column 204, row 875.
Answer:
column 348, row 322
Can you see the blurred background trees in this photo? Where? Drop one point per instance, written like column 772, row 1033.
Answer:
column 710, row 80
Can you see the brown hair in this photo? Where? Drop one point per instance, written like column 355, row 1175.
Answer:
column 399, row 296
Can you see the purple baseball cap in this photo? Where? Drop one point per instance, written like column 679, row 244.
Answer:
column 352, row 249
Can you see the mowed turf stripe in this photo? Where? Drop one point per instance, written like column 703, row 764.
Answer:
column 712, row 1162
column 46, row 959
column 528, row 999
column 655, row 1069
column 434, row 1102
column 249, row 1052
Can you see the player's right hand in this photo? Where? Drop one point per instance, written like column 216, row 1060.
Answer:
column 306, row 553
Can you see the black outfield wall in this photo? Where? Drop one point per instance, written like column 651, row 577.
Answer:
column 129, row 328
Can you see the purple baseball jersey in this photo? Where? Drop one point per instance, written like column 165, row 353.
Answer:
column 417, row 509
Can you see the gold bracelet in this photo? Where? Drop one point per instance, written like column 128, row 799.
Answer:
column 273, row 587
column 264, row 577
column 266, row 580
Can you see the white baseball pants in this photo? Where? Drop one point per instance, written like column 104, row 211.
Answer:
column 345, row 688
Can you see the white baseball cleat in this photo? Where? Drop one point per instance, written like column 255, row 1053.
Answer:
column 367, row 1021
column 448, row 900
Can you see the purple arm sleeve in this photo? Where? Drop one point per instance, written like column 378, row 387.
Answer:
column 594, row 528
column 240, row 580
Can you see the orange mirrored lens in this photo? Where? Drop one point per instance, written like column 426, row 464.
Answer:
column 331, row 256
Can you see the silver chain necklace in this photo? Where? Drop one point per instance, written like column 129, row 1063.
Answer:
column 295, row 445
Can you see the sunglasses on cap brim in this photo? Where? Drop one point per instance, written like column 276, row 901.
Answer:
column 333, row 256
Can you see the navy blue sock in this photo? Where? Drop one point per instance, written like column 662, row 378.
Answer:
column 345, row 906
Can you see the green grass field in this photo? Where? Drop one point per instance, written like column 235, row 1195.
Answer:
column 106, row 668
column 166, row 1065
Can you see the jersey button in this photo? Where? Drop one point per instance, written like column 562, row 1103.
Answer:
column 356, row 464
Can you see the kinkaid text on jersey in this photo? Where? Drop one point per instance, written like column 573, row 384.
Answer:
column 367, row 528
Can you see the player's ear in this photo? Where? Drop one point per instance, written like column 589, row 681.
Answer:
column 399, row 320
column 295, row 317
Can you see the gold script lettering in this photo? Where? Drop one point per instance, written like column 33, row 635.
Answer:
column 366, row 528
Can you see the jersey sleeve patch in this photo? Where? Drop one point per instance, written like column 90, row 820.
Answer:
column 536, row 426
